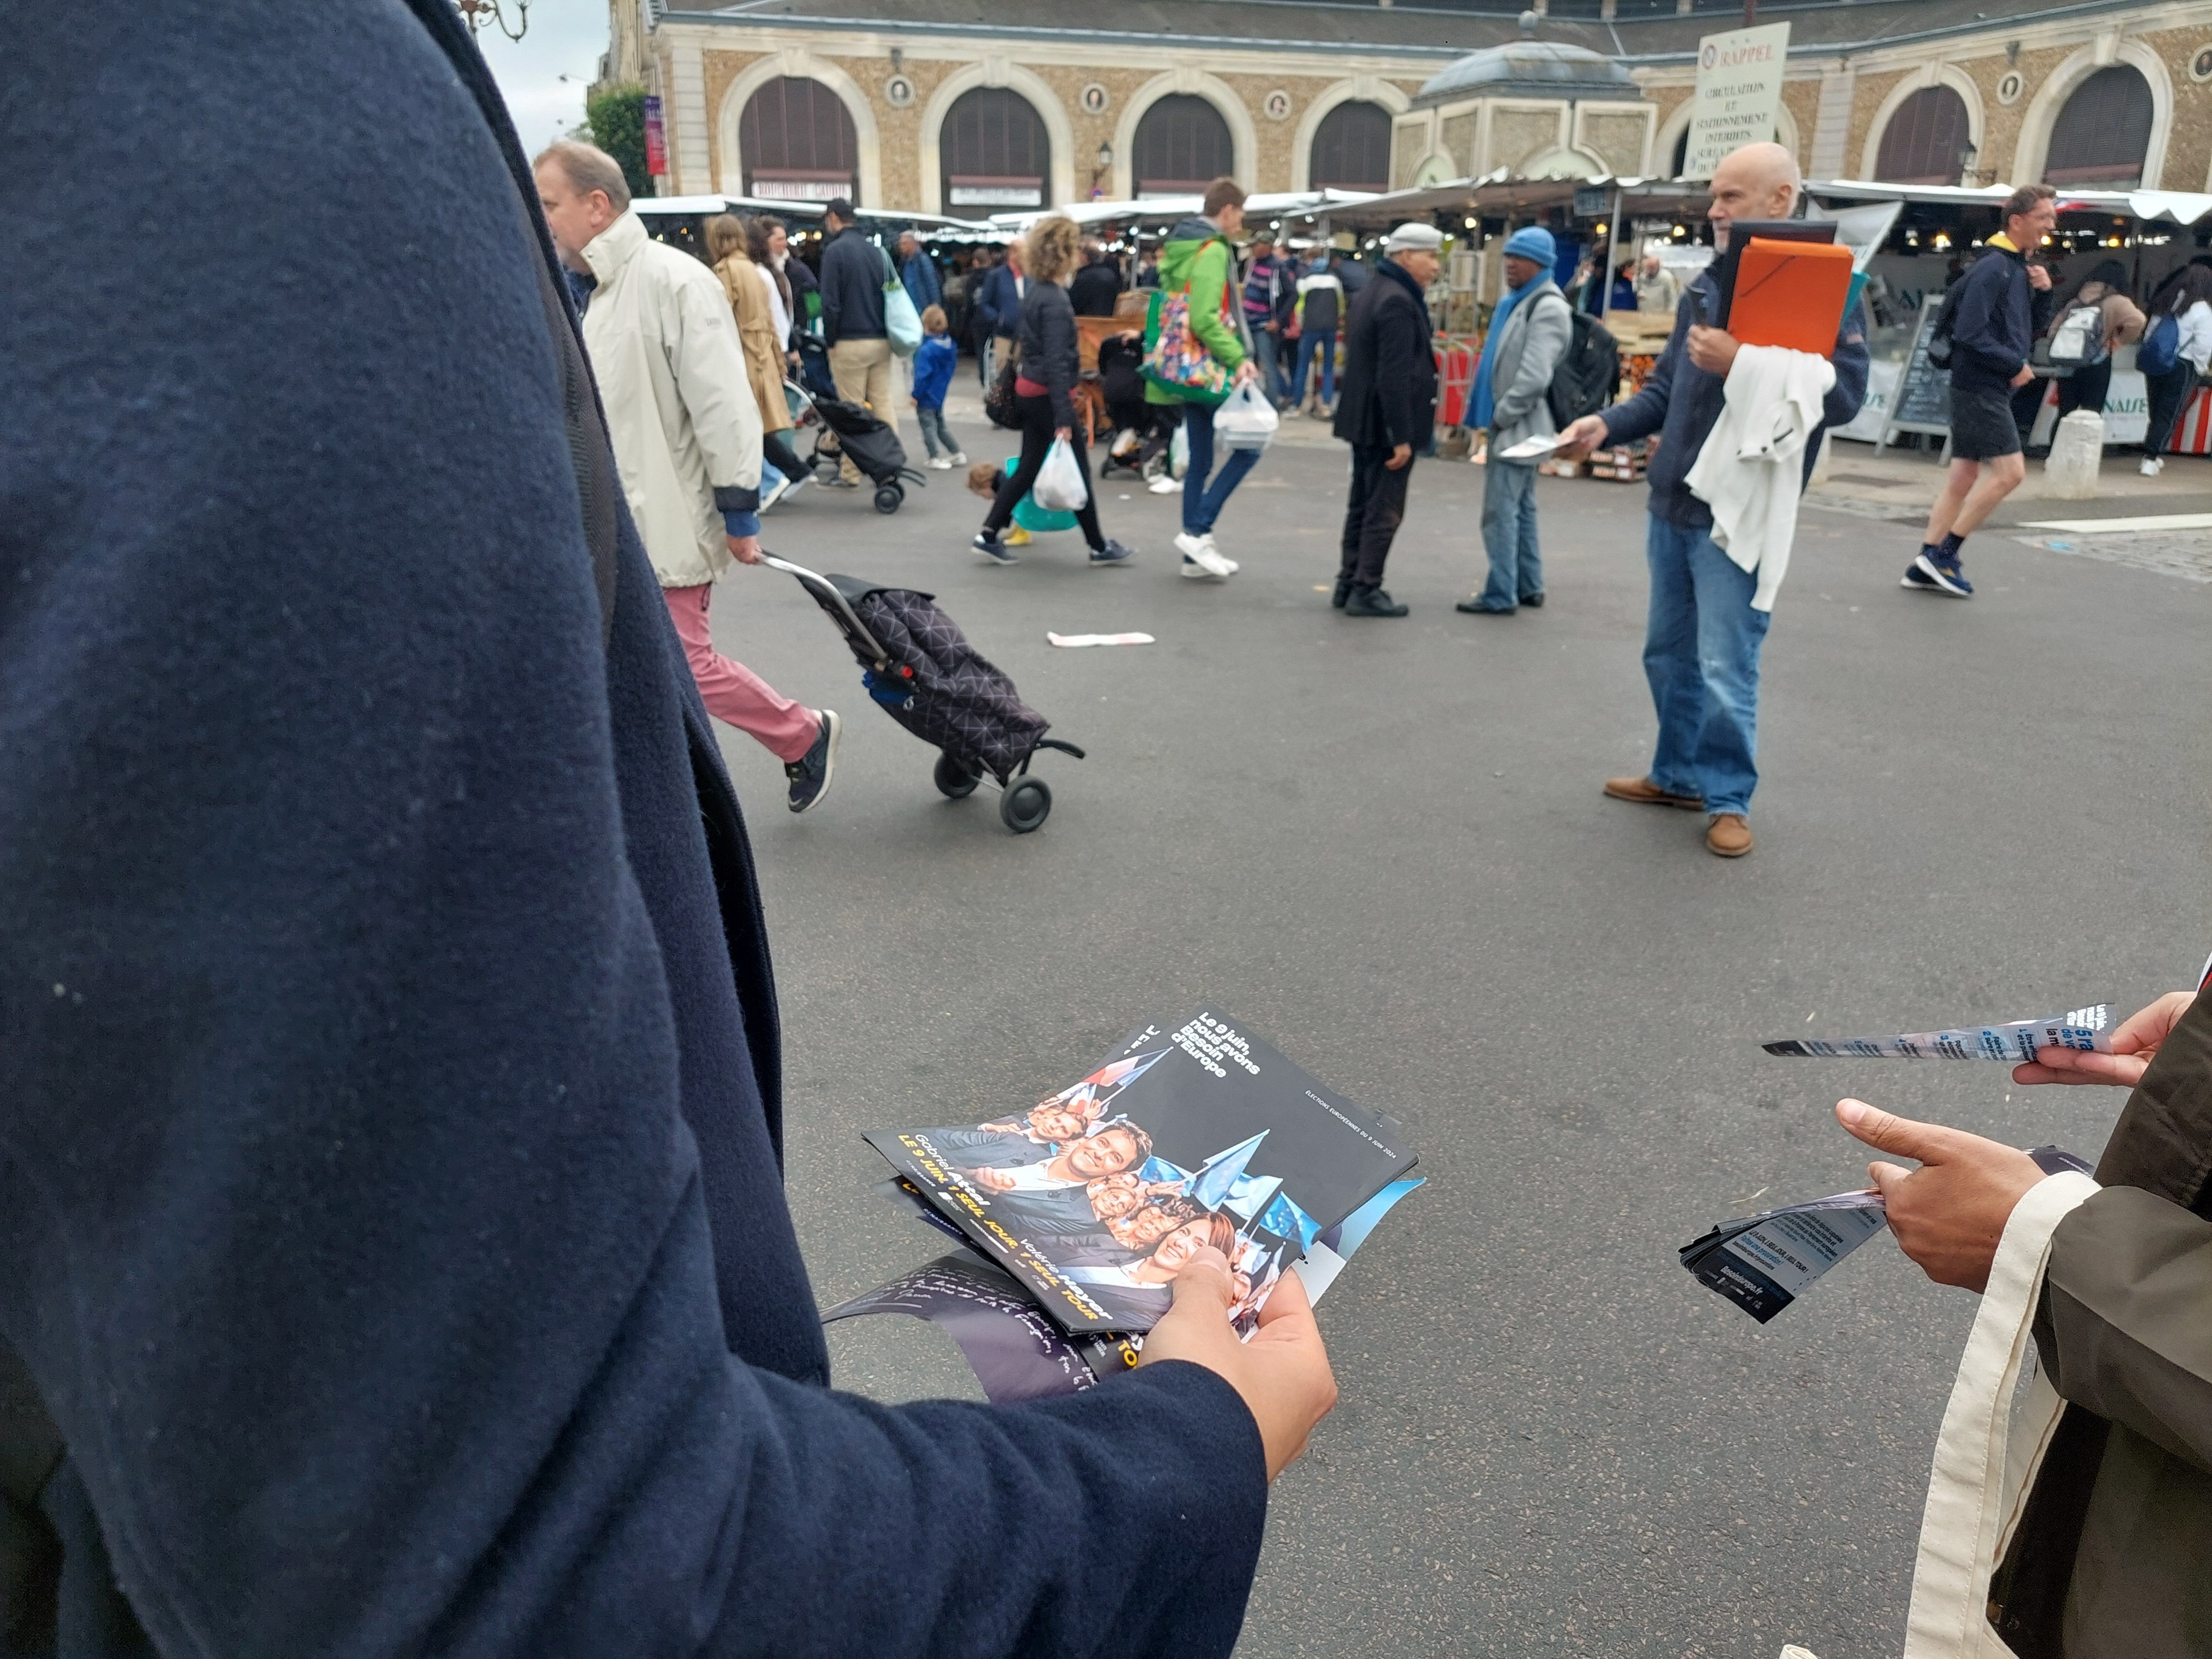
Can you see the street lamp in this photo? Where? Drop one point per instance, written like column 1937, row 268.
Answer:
column 1968, row 173
column 1105, row 160
column 481, row 12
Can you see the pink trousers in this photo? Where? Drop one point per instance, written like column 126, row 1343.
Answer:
column 732, row 691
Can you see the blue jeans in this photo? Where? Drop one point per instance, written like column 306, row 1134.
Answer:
column 1201, row 506
column 1701, row 656
column 1509, row 534
column 1267, row 354
column 1310, row 347
column 934, row 432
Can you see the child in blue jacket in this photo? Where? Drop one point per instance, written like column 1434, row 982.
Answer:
column 934, row 364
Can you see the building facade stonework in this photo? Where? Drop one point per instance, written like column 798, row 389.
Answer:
column 1084, row 109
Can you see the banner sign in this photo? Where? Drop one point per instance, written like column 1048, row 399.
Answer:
column 656, row 138
column 1738, row 93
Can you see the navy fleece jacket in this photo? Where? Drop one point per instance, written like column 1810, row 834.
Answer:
column 389, row 1183
column 1681, row 403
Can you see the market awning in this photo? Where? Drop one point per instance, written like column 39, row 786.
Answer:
column 692, row 206
column 2175, row 206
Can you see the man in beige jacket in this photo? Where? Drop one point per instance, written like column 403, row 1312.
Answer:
column 686, row 435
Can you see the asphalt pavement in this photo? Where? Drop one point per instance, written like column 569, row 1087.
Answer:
column 1380, row 843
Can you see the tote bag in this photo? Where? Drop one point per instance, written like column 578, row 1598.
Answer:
column 902, row 323
column 1175, row 359
column 1985, row 1457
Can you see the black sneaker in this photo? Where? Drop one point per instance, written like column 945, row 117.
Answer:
column 810, row 773
column 1373, row 602
column 1944, row 575
column 1338, row 599
column 987, row 544
column 1532, row 601
column 1112, row 554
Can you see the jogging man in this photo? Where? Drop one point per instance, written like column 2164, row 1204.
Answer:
column 1994, row 322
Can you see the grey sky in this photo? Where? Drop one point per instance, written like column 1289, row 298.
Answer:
column 565, row 38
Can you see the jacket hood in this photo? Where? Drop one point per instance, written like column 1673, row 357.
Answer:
column 1181, row 247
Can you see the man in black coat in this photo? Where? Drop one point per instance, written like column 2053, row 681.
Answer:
column 1095, row 289
column 396, row 1259
column 1387, row 412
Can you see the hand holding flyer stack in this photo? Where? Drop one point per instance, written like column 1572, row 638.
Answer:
column 1192, row 1137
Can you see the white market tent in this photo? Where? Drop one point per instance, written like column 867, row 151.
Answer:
column 1166, row 209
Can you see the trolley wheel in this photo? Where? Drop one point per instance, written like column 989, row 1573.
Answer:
column 954, row 780
column 888, row 497
column 1025, row 805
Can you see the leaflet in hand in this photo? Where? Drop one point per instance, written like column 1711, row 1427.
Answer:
column 1015, row 1351
column 1194, row 1134
column 1764, row 1262
column 1529, row 448
column 2083, row 1030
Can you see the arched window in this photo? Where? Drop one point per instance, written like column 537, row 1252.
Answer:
column 2103, row 134
column 798, row 143
column 1924, row 140
column 1351, row 149
column 1182, row 146
column 994, row 152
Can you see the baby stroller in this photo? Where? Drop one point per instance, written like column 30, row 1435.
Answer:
column 871, row 444
column 1133, row 439
column 921, row 669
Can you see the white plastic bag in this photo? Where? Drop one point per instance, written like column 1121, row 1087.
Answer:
column 1179, row 452
column 1247, row 420
column 1060, row 486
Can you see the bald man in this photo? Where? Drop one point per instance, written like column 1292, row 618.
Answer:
column 1701, row 643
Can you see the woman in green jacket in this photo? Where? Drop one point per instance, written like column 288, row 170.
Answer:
column 1198, row 260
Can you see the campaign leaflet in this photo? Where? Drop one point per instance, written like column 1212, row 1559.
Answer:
column 1015, row 1351
column 1764, row 1262
column 2082, row 1029
column 1194, row 1134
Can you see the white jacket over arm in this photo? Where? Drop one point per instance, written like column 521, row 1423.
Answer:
column 1752, row 465
column 680, row 411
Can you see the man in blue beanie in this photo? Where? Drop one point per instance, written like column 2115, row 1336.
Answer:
column 1529, row 331
column 1701, row 645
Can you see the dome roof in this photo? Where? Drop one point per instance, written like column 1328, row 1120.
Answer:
column 1529, row 69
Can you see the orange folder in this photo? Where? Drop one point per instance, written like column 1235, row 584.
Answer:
column 1790, row 294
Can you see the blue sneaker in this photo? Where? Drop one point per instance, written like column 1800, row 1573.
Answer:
column 1934, row 574
column 993, row 549
column 809, row 774
column 1112, row 553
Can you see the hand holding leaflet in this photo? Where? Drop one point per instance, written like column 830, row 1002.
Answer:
column 1764, row 1262
column 2020, row 1041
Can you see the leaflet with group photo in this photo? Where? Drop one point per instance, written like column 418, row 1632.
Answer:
column 2083, row 1030
column 1015, row 1351
column 1194, row 1133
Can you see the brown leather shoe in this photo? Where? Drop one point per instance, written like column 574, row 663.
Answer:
column 1729, row 836
column 1645, row 792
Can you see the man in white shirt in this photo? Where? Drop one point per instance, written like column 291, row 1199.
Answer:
column 686, row 434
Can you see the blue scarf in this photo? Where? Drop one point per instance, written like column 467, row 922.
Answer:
column 1481, row 404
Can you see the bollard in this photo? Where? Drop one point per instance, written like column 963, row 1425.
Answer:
column 2077, row 448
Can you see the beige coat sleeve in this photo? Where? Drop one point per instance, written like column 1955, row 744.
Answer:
column 2125, row 1327
column 709, row 368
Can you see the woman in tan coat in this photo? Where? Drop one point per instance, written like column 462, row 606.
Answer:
column 742, row 281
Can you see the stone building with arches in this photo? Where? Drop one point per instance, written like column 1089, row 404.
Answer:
column 968, row 107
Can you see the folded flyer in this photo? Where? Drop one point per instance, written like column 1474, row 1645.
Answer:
column 1194, row 1133
column 1015, row 1351
column 1764, row 1262
column 2084, row 1030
